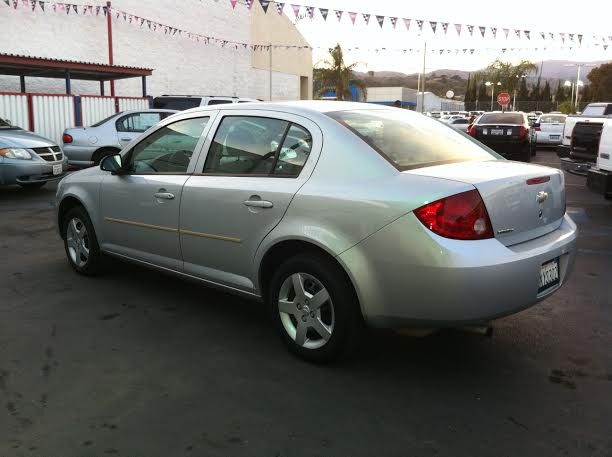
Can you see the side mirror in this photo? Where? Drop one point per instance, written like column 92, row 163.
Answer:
column 112, row 163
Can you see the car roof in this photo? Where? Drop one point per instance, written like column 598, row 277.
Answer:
column 147, row 110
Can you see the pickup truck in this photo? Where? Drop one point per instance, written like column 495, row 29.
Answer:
column 599, row 178
column 580, row 140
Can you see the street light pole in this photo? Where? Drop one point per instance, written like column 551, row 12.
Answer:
column 577, row 81
column 423, row 84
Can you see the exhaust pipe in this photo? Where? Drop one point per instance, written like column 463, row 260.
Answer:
column 484, row 330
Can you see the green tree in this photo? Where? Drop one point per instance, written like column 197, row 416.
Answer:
column 601, row 82
column 482, row 93
column 507, row 73
column 560, row 94
column 546, row 96
column 335, row 75
column 535, row 93
column 523, row 91
column 566, row 107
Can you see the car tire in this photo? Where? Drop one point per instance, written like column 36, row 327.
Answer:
column 81, row 243
column 101, row 153
column 32, row 185
column 328, row 328
column 526, row 153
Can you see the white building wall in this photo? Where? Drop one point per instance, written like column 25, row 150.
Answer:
column 181, row 66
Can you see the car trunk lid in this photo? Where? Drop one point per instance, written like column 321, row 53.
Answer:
column 524, row 201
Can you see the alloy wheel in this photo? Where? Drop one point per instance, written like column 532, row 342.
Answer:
column 77, row 241
column 306, row 310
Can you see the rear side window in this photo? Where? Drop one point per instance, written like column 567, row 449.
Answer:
column 106, row 119
column 259, row 146
column 552, row 119
column 501, row 118
column 410, row 140
column 177, row 103
column 219, row 102
column 137, row 122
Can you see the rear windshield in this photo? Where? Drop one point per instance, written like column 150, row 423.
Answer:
column 552, row 119
column 501, row 118
column 410, row 140
column 99, row 123
column 177, row 103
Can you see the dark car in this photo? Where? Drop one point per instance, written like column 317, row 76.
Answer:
column 507, row 133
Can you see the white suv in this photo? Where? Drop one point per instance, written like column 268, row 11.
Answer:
column 183, row 102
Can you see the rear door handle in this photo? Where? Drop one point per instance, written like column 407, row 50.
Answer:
column 258, row 203
column 125, row 139
column 165, row 195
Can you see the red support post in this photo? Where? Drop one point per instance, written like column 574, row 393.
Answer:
column 30, row 113
column 109, row 30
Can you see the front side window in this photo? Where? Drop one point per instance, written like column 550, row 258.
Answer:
column 138, row 122
column 410, row 140
column 169, row 149
column 249, row 145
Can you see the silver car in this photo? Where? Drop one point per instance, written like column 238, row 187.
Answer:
column 87, row 146
column 28, row 159
column 334, row 214
column 549, row 129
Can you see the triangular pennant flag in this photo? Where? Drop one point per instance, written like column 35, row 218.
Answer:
column 380, row 20
column 580, row 40
column 562, row 35
column 441, row 51
column 527, row 32
column 433, row 25
column 571, row 36
column 264, row 5
column 33, row 5
column 105, row 10
column 8, row 2
column 420, row 25
column 248, row 3
column 465, row 50
column 296, row 10
column 504, row 50
column 75, row 8
column 407, row 23
column 353, row 16
column 339, row 14
column 310, row 11
column 605, row 46
column 366, row 18
column 517, row 33
column 543, row 35
column 15, row 4
column 279, row 7
column 458, row 28
column 393, row 21
column 494, row 31
column 142, row 21
column 233, row 2
column 471, row 51
column 471, row 29
column 445, row 27
column 506, row 31
column 551, row 35
column 68, row 7
column 324, row 13
column 482, row 30
column 42, row 5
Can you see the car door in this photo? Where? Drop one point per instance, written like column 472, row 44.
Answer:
column 256, row 161
column 132, row 125
column 140, row 205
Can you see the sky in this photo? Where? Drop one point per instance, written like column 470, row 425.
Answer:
column 589, row 17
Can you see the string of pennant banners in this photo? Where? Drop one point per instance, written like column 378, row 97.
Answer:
column 143, row 22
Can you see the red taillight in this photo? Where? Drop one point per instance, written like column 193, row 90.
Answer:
column 538, row 180
column 522, row 131
column 66, row 138
column 462, row 217
column 472, row 131
column 538, row 129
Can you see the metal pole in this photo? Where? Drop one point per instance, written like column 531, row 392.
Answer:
column 271, row 72
column 418, row 86
column 22, row 84
column 423, row 85
column 514, row 101
column 577, row 87
column 572, row 96
column 492, row 92
column 109, row 32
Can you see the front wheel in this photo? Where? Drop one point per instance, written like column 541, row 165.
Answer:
column 315, row 308
column 80, row 242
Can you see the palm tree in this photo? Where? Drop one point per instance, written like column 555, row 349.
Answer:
column 335, row 75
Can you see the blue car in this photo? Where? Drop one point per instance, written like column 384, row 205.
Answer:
column 28, row 159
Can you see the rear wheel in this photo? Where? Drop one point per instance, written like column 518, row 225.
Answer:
column 315, row 309
column 526, row 153
column 80, row 242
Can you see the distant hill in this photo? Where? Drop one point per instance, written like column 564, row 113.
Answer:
column 440, row 81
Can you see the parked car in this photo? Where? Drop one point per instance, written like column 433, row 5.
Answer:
column 87, row 146
column 599, row 177
column 332, row 213
column 28, row 159
column 578, row 151
column 183, row 102
column 507, row 133
column 451, row 117
column 549, row 129
column 459, row 124
column 476, row 113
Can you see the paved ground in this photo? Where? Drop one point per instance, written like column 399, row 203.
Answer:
column 140, row 364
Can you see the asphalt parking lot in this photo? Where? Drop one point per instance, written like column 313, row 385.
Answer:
column 135, row 363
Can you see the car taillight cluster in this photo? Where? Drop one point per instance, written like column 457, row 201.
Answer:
column 472, row 131
column 66, row 138
column 462, row 217
column 538, row 129
column 522, row 131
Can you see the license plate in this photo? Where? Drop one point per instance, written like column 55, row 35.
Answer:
column 555, row 137
column 497, row 131
column 57, row 169
column 549, row 275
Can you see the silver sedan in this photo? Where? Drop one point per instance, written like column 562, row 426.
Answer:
column 87, row 146
column 334, row 214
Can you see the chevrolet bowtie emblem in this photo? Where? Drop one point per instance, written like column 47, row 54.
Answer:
column 541, row 196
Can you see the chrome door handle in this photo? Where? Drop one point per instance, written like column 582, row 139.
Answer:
column 164, row 195
column 258, row 203
column 125, row 139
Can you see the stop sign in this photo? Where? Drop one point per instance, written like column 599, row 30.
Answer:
column 503, row 98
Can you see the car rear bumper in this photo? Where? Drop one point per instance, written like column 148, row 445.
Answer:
column 79, row 156
column 14, row 171
column 600, row 181
column 508, row 147
column 544, row 138
column 406, row 275
column 563, row 151
column 577, row 167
